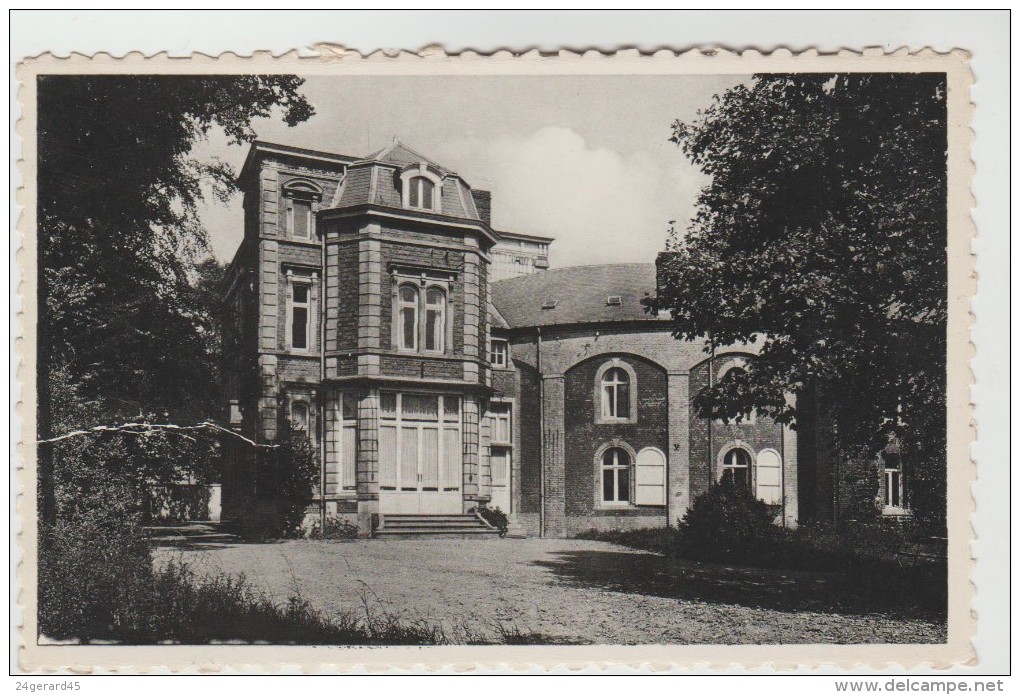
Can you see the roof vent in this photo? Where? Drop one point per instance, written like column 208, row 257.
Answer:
column 551, row 304
column 614, row 300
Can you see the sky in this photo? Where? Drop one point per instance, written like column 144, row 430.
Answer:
column 584, row 159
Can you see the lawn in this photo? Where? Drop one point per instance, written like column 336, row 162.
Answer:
column 561, row 591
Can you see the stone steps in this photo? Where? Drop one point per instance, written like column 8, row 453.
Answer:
column 438, row 526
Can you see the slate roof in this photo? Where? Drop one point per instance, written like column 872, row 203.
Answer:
column 581, row 294
column 401, row 155
column 374, row 181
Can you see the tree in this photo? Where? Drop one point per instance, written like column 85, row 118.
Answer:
column 127, row 320
column 822, row 237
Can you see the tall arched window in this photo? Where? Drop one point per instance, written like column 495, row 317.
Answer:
column 299, row 414
column 736, row 468
column 407, row 302
column 421, row 193
column 435, row 319
column 615, row 394
column 616, row 476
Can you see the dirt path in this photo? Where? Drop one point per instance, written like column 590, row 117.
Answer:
column 565, row 590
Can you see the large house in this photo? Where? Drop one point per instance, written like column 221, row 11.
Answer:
column 438, row 366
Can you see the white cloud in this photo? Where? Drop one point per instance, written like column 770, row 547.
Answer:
column 600, row 205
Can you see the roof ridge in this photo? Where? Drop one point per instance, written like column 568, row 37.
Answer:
column 577, row 267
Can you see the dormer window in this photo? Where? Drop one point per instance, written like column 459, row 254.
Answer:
column 421, row 193
column 421, row 188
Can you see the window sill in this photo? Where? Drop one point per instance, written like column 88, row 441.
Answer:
column 629, row 510
column 615, row 421
column 895, row 511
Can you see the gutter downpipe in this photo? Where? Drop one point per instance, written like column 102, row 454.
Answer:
column 541, row 433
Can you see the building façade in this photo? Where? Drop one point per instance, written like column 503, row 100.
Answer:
column 438, row 366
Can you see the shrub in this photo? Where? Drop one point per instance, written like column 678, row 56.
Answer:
column 285, row 476
column 495, row 517
column 726, row 523
column 94, row 577
column 337, row 528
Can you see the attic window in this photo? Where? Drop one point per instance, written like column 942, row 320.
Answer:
column 551, row 304
column 421, row 189
column 614, row 300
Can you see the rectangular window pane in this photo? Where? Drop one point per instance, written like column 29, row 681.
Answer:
column 451, row 409
column 408, row 458
column 622, row 400
column 607, row 486
column 500, row 464
column 350, row 406
column 498, row 353
column 426, row 198
column 419, row 407
column 431, row 332
column 348, row 453
column 430, row 458
column 300, row 294
column 302, row 218
column 388, row 457
column 299, row 328
column 608, row 403
column 623, row 484
column 388, row 404
column 451, row 473
column 413, row 193
column 408, row 320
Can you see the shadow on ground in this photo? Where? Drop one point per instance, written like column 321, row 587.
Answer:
column 655, row 575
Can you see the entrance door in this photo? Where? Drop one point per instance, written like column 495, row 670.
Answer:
column 419, row 454
column 499, row 461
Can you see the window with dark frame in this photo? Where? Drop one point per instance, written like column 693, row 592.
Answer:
column 299, row 317
column 736, row 468
column 301, row 218
column 616, row 476
column 615, row 394
column 421, row 193
column 435, row 319
column 892, row 472
column 499, row 352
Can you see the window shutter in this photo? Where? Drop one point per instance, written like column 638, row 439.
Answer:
column 769, row 477
column 650, row 478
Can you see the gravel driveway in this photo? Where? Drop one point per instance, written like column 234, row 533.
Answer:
column 567, row 591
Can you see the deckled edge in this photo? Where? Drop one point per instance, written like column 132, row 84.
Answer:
column 962, row 284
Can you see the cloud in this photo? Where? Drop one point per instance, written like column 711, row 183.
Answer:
column 601, row 206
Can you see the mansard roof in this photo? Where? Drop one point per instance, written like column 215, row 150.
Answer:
column 402, row 156
column 376, row 180
column 582, row 294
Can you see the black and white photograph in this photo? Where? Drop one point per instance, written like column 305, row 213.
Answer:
column 451, row 359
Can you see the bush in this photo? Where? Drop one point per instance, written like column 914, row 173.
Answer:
column 495, row 517
column 94, row 577
column 337, row 528
column 726, row 524
column 285, row 476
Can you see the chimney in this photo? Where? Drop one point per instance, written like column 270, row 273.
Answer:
column 483, row 201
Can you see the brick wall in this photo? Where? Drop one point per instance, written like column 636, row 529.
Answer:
column 584, row 436
column 422, row 257
column 419, row 367
column 764, row 433
column 529, row 446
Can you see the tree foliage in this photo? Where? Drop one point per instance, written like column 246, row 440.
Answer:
column 128, row 295
column 822, row 238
